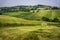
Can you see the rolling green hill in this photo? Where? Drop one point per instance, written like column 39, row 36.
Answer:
column 51, row 14
column 25, row 23
column 13, row 21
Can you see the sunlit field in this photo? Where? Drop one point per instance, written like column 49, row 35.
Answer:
column 12, row 29
column 37, row 14
column 29, row 19
column 33, row 25
column 30, row 33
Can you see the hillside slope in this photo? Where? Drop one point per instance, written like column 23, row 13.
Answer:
column 51, row 14
column 7, row 20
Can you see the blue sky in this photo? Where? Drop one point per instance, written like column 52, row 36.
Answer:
column 29, row 2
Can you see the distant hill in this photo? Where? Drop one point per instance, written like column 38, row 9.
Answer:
column 36, row 12
column 26, row 8
column 48, row 14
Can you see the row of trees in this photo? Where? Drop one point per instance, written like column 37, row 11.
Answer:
column 50, row 20
column 14, row 9
column 26, row 8
column 45, row 19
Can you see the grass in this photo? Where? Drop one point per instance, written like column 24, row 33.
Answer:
column 13, row 21
column 14, row 28
column 51, row 14
column 30, row 33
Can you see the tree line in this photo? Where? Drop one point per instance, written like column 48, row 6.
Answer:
column 26, row 8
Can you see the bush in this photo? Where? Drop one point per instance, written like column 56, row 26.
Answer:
column 55, row 8
column 55, row 20
column 45, row 19
column 0, row 13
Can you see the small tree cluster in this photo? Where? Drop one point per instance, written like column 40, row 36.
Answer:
column 55, row 8
column 0, row 13
column 50, row 20
column 55, row 20
column 45, row 19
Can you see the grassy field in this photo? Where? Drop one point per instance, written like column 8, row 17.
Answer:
column 13, row 26
column 51, row 14
column 30, row 33
column 13, row 21
column 27, row 31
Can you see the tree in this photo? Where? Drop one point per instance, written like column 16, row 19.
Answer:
column 45, row 19
column 55, row 8
column 0, row 13
column 55, row 20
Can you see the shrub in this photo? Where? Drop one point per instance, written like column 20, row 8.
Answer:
column 55, row 20
column 55, row 8
column 0, row 13
column 45, row 19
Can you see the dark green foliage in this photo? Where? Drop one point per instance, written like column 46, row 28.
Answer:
column 45, row 19
column 54, row 8
column 55, row 20
column 1, row 13
column 50, row 20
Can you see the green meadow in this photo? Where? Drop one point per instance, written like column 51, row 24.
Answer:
column 33, row 25
column 51, row 14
